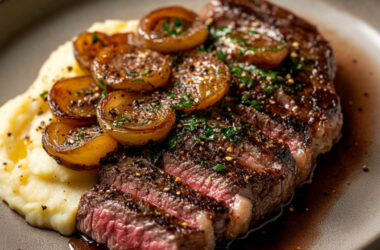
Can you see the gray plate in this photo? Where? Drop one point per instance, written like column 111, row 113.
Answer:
column 30, row 30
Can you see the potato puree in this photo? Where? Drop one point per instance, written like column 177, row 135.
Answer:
column 31, row 182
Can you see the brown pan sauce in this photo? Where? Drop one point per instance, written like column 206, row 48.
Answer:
column 298, row 226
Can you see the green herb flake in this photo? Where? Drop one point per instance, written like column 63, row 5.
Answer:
column 121, row 121
column 220, row 31
column 104, row 87
column 299, row 87
column 209, row 134
column 132, row 74
column 178, row 22
column 145, row 72
column 186, row 102
column 173, row 142
column 150, row 84
column 138, row 80
column 254, row 103
column 221, row 56
column 220, row 167
column 236, row 70
column 268, row 89
column 44, row 94
column 95, row 38
column 231, row 133
column 170, row 94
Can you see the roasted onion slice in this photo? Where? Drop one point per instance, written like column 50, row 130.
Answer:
column 253, row 48
column 88, row 44
column 73, row 100
column 133, row 119
column 172, row 29
column 199, row 81
column 78, row 148
column 133, row 68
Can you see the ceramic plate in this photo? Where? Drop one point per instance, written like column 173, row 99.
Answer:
column 340, row 210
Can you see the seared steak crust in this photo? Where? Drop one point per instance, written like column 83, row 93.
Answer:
column 295, row 102
column 141, row 178
column 223, row 158
column 122, row 221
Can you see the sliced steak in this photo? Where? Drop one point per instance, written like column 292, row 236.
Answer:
column 295, row 102
column 137, row 176
column 247, row 170
column 122, row 221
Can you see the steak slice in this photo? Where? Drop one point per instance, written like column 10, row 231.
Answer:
column 137, row 176
column 247, row 170
column 295, row 102
column 123, row 221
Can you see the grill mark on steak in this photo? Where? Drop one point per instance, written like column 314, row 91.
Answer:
column 137, row 176
column 122, row 221
column 308, row 118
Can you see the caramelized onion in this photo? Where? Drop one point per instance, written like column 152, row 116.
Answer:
column 129, row 67
column 78, row 148
column 133, row 119
column 73, row 100
column 253, row 48
column 199, row 81
column 88, row 44
column 172, row 29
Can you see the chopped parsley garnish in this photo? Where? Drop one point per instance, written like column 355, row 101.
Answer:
column 173, row 142
column 178, row 22
column 138, row 80
column 96, row 39
column 220, row 31
column 132, row 74
column 254, row 103
column 77, row 94
column 145, row 72
column 236, row 70
column 88, row 93
column 170, row 94
column 186, row 102
column 220, row 167
column 299, row 87
column 176, row 60
column 231, row 133
column 150, row 84
column 193, row 123
column 177, row 28
column 208, row 134
column 44, row 94
column 121, row 121
column 268, row 89
column 103, row 86
column 221, row 56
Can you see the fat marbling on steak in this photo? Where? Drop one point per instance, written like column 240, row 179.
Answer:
column 237, row 162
